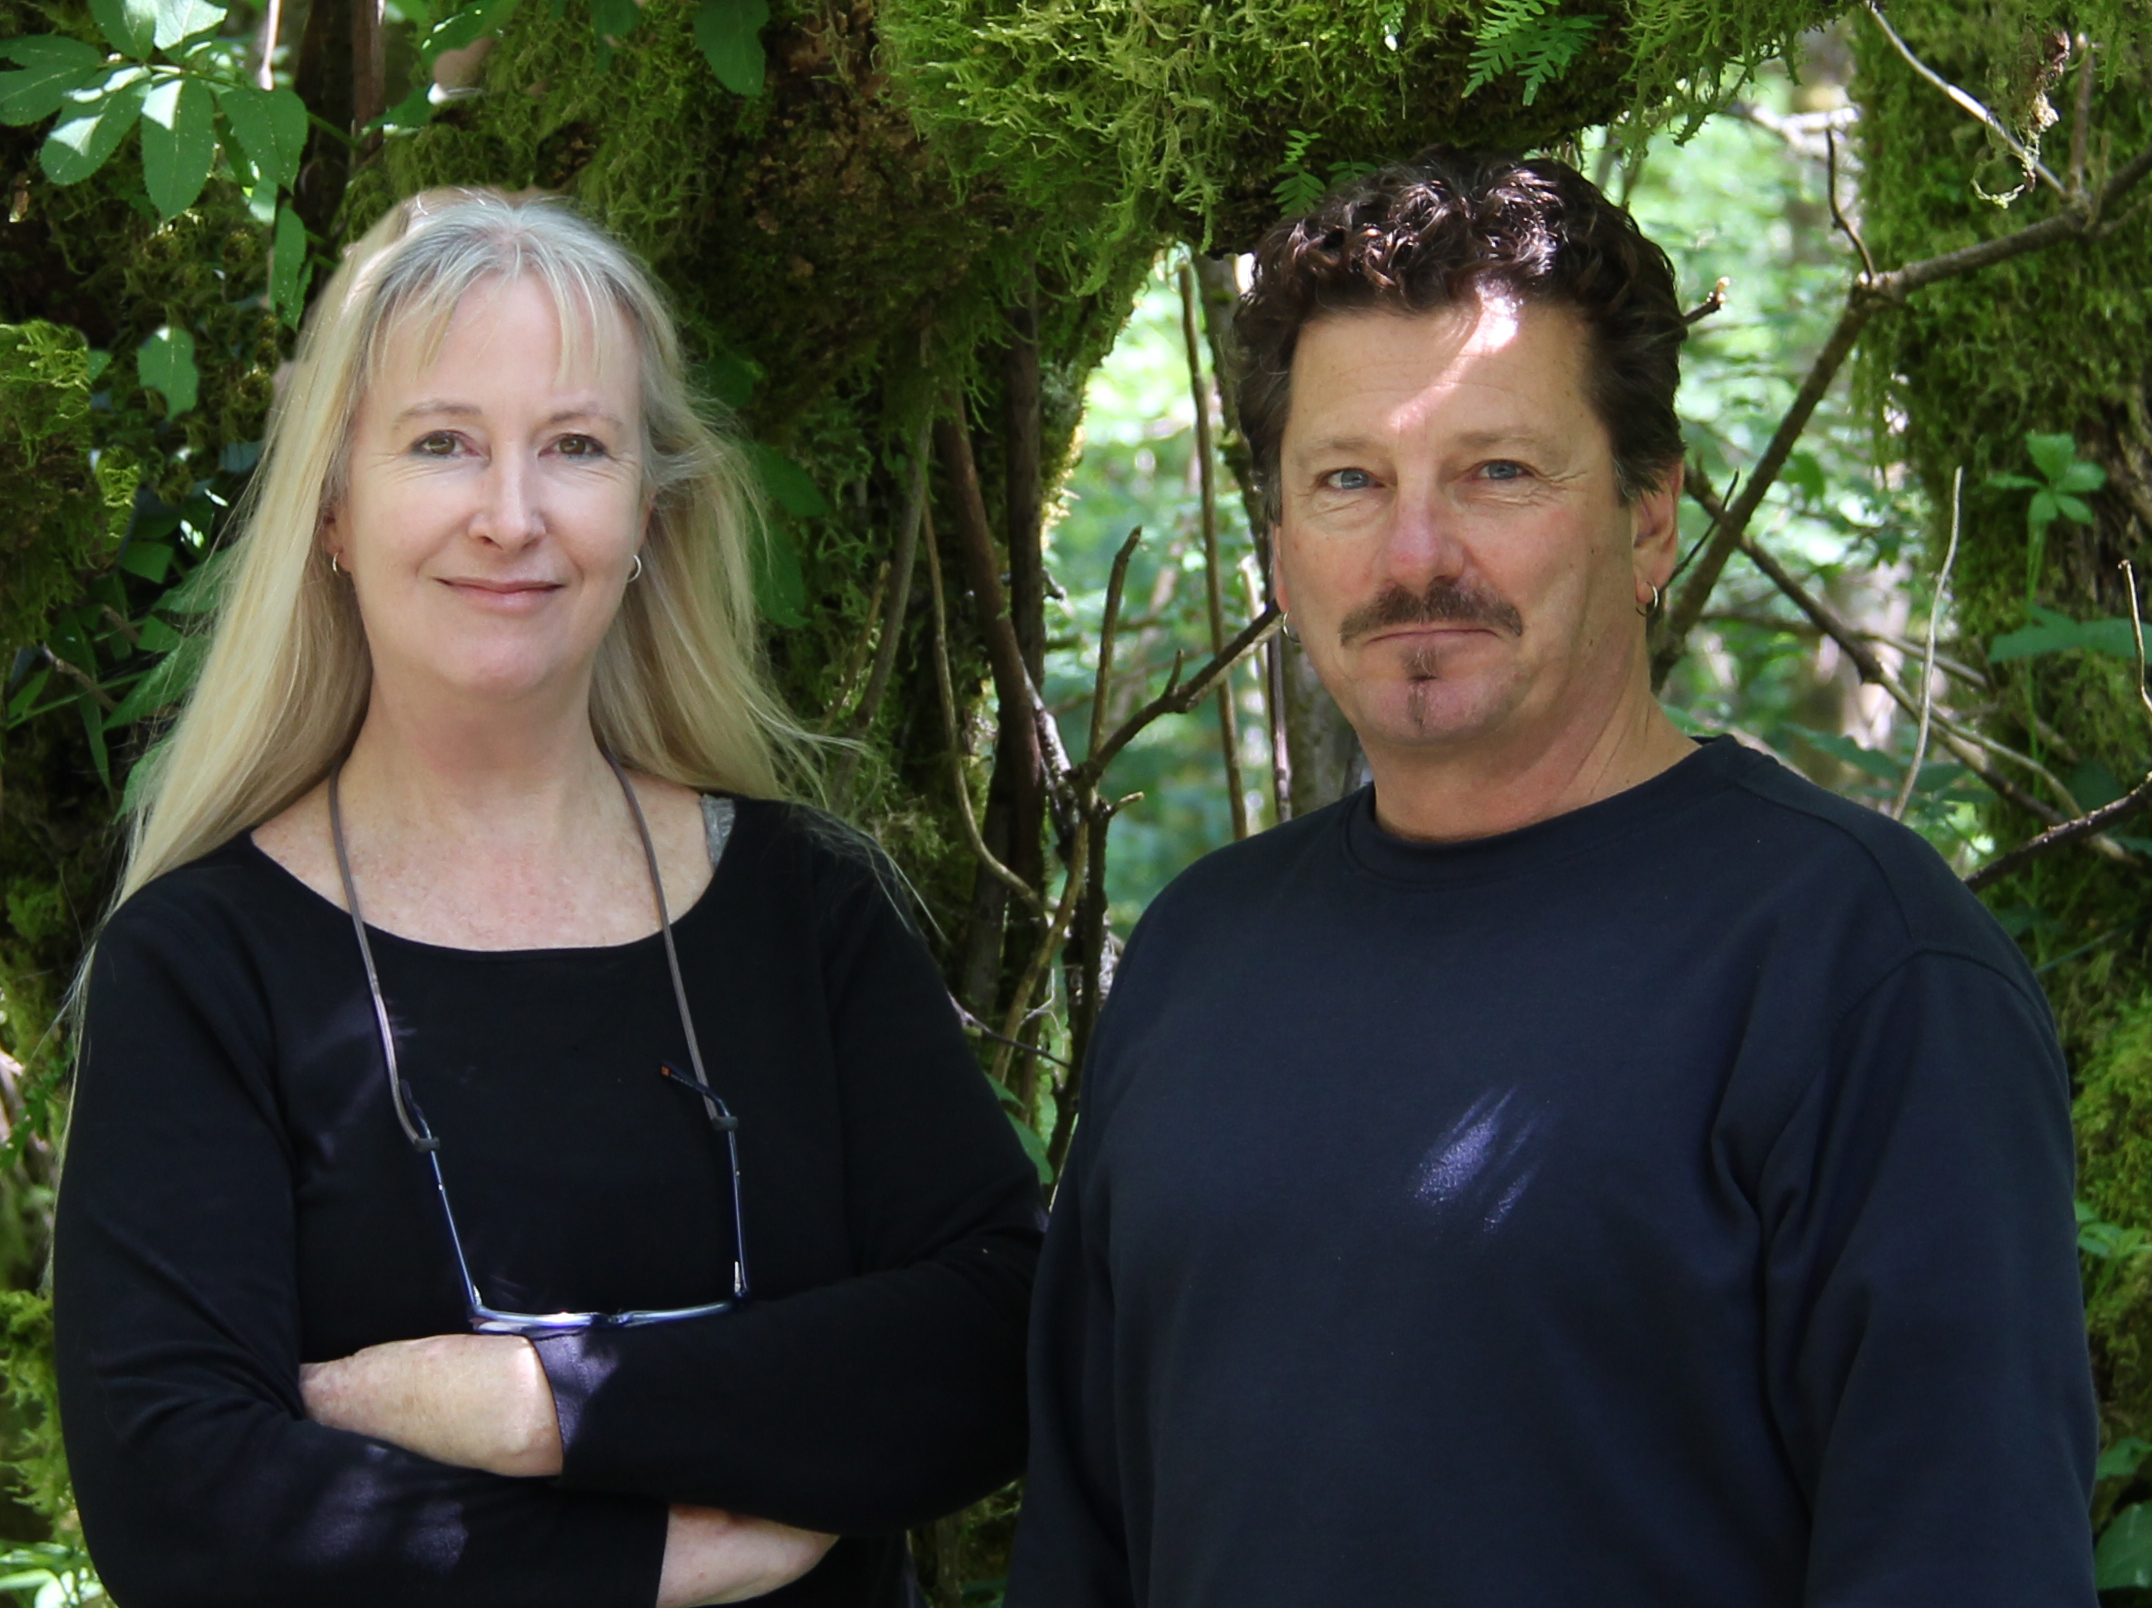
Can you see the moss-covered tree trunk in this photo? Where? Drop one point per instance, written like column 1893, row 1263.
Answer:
column 2055, row 343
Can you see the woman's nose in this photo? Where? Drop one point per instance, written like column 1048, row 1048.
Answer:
column 510, row 513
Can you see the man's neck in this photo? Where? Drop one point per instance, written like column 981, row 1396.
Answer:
column 1487, row 788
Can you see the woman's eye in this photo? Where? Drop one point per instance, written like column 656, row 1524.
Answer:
column 436, row 444
column 1348, row 480
column 581, row 446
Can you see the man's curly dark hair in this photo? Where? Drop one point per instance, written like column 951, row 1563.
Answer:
column 1450, row 224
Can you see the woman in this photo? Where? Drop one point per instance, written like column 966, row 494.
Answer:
column 613, row 1214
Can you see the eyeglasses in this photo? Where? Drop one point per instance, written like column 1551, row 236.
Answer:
column 486, row 1319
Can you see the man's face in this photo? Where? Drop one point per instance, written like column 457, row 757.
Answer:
column 1452, row 548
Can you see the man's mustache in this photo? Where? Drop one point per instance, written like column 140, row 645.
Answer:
column 1444, row 602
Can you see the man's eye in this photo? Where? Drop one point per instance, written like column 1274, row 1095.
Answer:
column 1505, row 469
column 1348, row 480
column 581, row 446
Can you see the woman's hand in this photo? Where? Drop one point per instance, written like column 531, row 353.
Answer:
column 713, row 1556
column 475, row 1400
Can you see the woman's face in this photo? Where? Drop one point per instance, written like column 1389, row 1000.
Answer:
column 493, row 503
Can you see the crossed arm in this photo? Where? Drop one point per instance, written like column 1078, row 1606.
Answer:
column 482, row 1401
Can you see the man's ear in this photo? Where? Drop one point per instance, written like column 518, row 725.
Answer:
column 1277, row 573
column 1655, row 528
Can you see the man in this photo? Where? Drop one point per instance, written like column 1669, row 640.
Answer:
column 1585, row 1167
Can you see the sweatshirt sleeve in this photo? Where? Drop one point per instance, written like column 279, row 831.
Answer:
column 1924, row 1319
column 882, row 1400
column 199, row 1479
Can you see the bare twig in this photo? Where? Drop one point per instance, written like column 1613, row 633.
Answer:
column 2028, row 159
column 1710, row 304
column 1864, row 299
column 985, row 856
column 2137, row 635
column 901, row 564
column 2089, row 825
column 972, row 1024
column 1180, row 696
column 1927, row 663
column 1035, row 969
column 1838, row 216
column 2081, row 126
column 84, row 680
column 1109, row 625
column 1213, row 582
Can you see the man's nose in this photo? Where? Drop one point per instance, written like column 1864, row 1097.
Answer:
column 511, row 514
column 1421, row 539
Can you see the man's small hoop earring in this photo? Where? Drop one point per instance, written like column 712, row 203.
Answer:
column 636, row 573
column 1651, row 608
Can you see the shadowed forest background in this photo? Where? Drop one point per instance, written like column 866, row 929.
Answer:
column 961, row 270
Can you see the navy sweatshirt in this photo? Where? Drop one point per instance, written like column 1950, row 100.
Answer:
column 240, row 1199
column 1667, row 1205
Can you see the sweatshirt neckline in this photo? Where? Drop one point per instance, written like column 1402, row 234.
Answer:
column 1382, row 853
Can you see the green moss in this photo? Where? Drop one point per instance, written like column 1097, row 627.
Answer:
column 1123, row 120
column 2057, row 341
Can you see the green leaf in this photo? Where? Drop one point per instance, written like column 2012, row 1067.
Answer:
column 789, row 486
column 730, row 34
column 2121, row 1460
column 2124, row 1555
column 165, row 363
column 130, row 25
column 180, row 20
column 1034, row 1146
column 2053, row 632
column 179, row 143
column 150, row 560
column 2042, row 510
column 2013, row 483
column 168, row 681
column 93, row 725
column 288, row 267
column 202, row 590
column 614, row 19
column 1804, row 472
column 92, row 126
column 2072, row 508
column 780, row 589
column 271, row 127
column 2052, row 453
column 53, row 67
column 2082, row 476
column 466, row 27
column 157, row 637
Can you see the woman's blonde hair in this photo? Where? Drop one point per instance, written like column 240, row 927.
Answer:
column 679, row 691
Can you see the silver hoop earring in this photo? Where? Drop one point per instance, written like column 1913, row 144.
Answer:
column 636, row 573
column 1649, row 609
column 334, row 567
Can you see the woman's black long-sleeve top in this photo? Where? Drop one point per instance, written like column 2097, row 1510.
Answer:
column 239, row 1198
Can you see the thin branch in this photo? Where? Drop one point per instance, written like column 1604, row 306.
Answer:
column 942, row 681
column 1710, row 304
column 2137, row 635
column 2087, row 825
column 1180, row 696
column 1864, row 299
column 1927, row 665
column 2028, row 159
column 81, row 678
column 901, row 564
column 1041, row 958
column 1102, row 687
column 972, row 1024
column 2081, row 127
column 1213, row 582
column 1838, row 216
